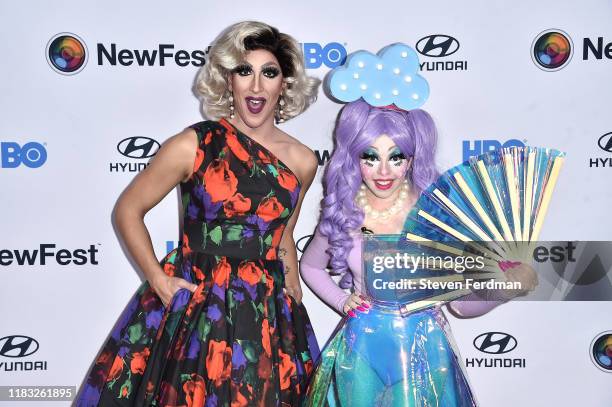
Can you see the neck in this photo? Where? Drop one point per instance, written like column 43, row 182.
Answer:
column 257, row 133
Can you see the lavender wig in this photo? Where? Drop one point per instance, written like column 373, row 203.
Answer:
column 358, row 126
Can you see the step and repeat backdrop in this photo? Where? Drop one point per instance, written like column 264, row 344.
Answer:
column 73, row 135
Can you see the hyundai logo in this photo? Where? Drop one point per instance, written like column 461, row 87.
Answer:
column 17, row 346
column 138, row 147
column 495, row 343
column 605, row 142
column 437, row 45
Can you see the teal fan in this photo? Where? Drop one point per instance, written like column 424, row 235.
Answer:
column 493, row 205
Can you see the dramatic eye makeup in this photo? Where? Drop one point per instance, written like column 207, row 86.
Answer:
column 396, row 157
column 270, row 72
column 369, row 157
column 243, row 70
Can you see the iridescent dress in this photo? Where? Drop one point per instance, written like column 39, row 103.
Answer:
column 384, row 358
column 238, row 340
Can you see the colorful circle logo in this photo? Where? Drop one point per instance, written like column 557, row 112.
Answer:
column 67, row 53
column 552, row 50
column 601, row 351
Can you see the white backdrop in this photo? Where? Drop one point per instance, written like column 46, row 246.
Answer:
column 79, row 119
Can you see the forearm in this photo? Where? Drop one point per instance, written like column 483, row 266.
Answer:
column 288, row 255
column 135, row 236
column 313, row 266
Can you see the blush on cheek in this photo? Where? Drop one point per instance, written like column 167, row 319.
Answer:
column 400, row 170
column 367, row 172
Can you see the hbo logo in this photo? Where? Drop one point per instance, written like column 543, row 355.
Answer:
column 484, row 146
column 332, row 55
column 32, row 154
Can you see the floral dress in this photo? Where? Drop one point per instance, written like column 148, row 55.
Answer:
column 238, row 340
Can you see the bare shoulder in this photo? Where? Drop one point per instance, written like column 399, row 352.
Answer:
column 302, row 159
column 179, row 152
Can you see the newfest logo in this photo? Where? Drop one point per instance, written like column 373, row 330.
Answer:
column 134, row 148
column 553, row 49
column 19, row 347
column 47, row 252
column 497, row 344
column 67, row 54
column 601, row 351
column 440, row 46
column 605, row 144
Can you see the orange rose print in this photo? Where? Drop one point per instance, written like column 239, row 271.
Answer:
column 139, row 361
column 236, row 147
column 286, row 179
column 269, row 209
column 220, row 181
column 250, row 272
column 286, row 369
column 195, row 391
column 276, row 239
column 218, row 361
column 186, row 248
column 169, row 269
column 116, row 369
column 236, row 205
column 221, row 273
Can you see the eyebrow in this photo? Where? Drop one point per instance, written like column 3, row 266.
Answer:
column 264, row 66
column 269, row 64
column 390, row 148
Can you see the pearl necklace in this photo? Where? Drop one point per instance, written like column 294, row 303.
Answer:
column 386, row 213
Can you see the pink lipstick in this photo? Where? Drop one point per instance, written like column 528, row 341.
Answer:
column 383, row 184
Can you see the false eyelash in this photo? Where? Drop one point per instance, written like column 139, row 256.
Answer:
column 242, row 68
column 272, row 70
column 368, row 156
column 399, row 156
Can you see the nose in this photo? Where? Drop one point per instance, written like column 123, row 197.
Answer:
column 256, row 84
column 384, row 168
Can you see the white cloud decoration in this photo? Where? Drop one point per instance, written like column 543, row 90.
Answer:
column 389, row 77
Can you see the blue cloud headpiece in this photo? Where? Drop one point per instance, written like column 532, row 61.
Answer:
column 389, row 77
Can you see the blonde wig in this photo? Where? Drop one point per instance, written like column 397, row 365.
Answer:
column 228, row 52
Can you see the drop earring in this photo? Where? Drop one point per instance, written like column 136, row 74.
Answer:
column 231, row 105
column 280, row 116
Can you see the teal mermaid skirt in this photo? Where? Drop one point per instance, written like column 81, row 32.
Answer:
column 385, row 359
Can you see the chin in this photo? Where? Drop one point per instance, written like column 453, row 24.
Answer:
column 255, row 120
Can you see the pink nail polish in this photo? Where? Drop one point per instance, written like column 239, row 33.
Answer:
column 363, row 304
column 351, row 314
column 361, row 309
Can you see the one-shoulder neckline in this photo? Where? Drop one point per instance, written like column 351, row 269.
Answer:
column 267, row 150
